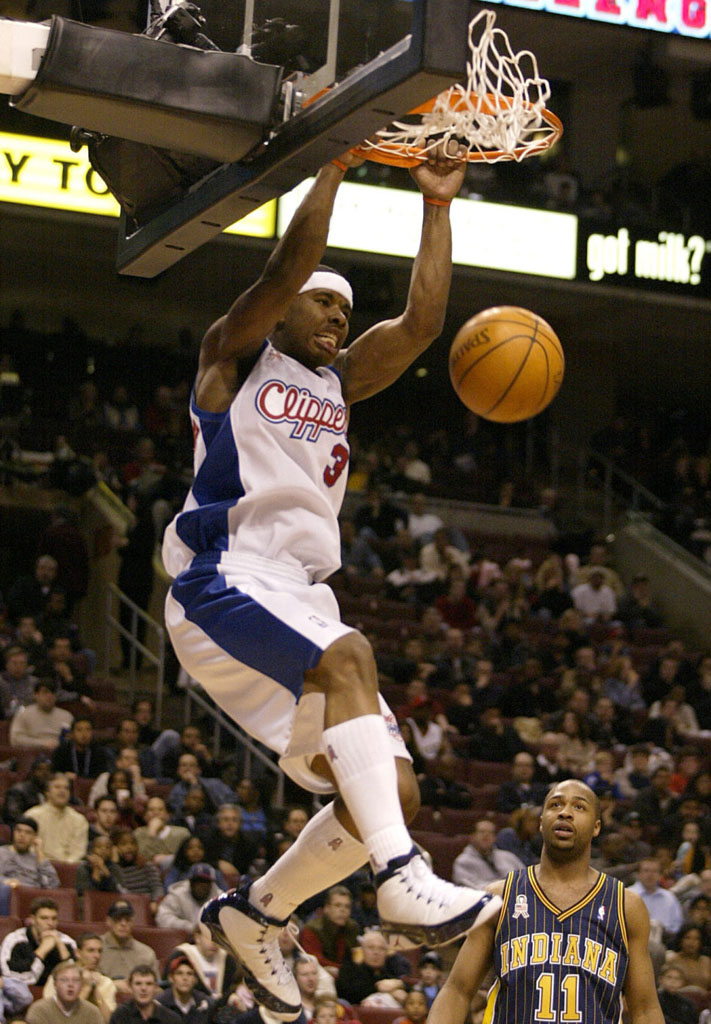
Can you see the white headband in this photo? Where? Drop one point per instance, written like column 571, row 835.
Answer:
column 328, row 281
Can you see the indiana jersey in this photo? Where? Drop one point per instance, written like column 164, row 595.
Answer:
column 270, row 471
column 558, row 966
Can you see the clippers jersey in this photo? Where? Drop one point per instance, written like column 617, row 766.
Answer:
column 558, row 967
column 270, row 471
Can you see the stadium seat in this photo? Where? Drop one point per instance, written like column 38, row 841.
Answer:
column 96, row 906
column 81, row 789
column 443, row 849
column 66, row 899
column 9, row 924
column 67, row 873
column 162, row 940
column 5, row 834
column 376, row 1014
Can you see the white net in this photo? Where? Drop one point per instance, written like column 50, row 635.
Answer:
column 500, row 114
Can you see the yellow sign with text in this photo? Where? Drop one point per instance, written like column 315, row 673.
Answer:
column 45, row 172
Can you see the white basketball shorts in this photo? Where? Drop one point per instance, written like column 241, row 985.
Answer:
column 248, row 628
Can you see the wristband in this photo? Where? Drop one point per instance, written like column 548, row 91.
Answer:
column 437, row 202
column 340, row 165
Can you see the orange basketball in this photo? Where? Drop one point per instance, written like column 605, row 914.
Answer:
column 506, row 364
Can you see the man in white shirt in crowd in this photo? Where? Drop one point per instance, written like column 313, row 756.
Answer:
column 481, row 862
column 595, row 600
column 40, row 724
column 663, row 906
column 64, row 832
column 158, row 840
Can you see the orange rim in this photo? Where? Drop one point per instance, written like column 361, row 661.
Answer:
column 403, row 154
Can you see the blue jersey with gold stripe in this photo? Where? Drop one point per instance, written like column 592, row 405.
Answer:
column 558, row 966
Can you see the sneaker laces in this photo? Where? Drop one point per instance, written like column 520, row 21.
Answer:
column 425, row 884
column 293, row 931
column 270, row 950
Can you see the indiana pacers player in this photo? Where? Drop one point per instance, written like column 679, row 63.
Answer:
column 569, row 941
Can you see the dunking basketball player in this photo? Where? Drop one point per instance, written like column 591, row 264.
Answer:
column 568, row 942
column 249, row 614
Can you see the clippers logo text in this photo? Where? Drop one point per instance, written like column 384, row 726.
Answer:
column 285, row 403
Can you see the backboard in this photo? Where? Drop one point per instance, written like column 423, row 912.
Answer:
column 390, row 55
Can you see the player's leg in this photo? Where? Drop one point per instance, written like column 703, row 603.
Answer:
column 413, row 902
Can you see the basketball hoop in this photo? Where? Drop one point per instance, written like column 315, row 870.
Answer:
column 499, row 115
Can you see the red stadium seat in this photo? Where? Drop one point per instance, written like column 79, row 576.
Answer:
column 162, row 940
column 66, row 899
column 67, row 873
column 96, row 906
column 9, row 924
column 376, row 1014
column 443, row 849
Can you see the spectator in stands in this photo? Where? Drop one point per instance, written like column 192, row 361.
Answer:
column 698, row 913
column 364, row 909
column 142, row 711
column 65, row 542
column 457, row 609
column 133, row 873
column 254, row 820
column 181, row 905
column 31, row 953
column 120, row 413
column 429, row 975
column 79, row 756
column 28, row 594
column 700, row 787
column 193, row 815
column 216, row 792
column 699, row 692
column 143, row 1006
column 127, row 761
column 67, row 1003
column 409, row 583
column 662, row 675
column 677, row 1009
column 190, row 852
column 183, row 997
column 576, row 748
column 598, row 561
column 41, row 723
column 31, row 640
column 584, row 675
column 622, row 684
column 121, row 952
column 158, row 840
column 97, row 870
column 454, row 664
column 120, row 786
column 357, row 556
column 105, row 819
column 421, row 524
column 602, row 773
column 28, row 793
column 494, row 739
column 665, row 728
column 415, row 1007
column 379, row 521
column 636, row 608
column 553, row 597
column 63, row 831
column 522, row 836
column 23, row 861
column 481, row 861
column 428, row 736
column 440, row 556
column 68, row 669
column 96, row 988
column 633, row 848
column 684, row 719
column 331, row 936
column 595, row 600
column 54, row 620
column 127, row 736
column 548, row 770
column 634, row 776
column 529, row 693
column 521, row 788
column 190, row 741
column 215, row 970
column 17, row 684
column 657, row 799
column 662, row 905
column 306, row 974
column 376, row 973
column 229, row 848
column 440, row 788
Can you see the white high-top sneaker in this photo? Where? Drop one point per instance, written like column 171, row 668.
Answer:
column 419, row 909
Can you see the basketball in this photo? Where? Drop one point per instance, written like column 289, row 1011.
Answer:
column 506, row 364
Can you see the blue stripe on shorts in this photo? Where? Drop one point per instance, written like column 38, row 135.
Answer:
column 243, row 628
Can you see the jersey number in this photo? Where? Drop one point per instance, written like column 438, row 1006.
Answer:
column 339, row 454
column 569, row 996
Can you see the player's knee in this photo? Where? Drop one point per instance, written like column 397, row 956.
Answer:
column 408, row 789
column 347, row 663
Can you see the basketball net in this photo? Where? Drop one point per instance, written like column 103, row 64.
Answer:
column 500, row 114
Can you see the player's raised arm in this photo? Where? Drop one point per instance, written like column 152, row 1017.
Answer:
column 640, row 989
column 474, row 960
column 239, row 334
column 380, row 355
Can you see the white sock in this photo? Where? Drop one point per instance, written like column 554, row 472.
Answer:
column 323, row 855
column 362, row 761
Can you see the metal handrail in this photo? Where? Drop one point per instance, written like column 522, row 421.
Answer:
column 157, row 660
column 251, row 750
column 641, row 499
